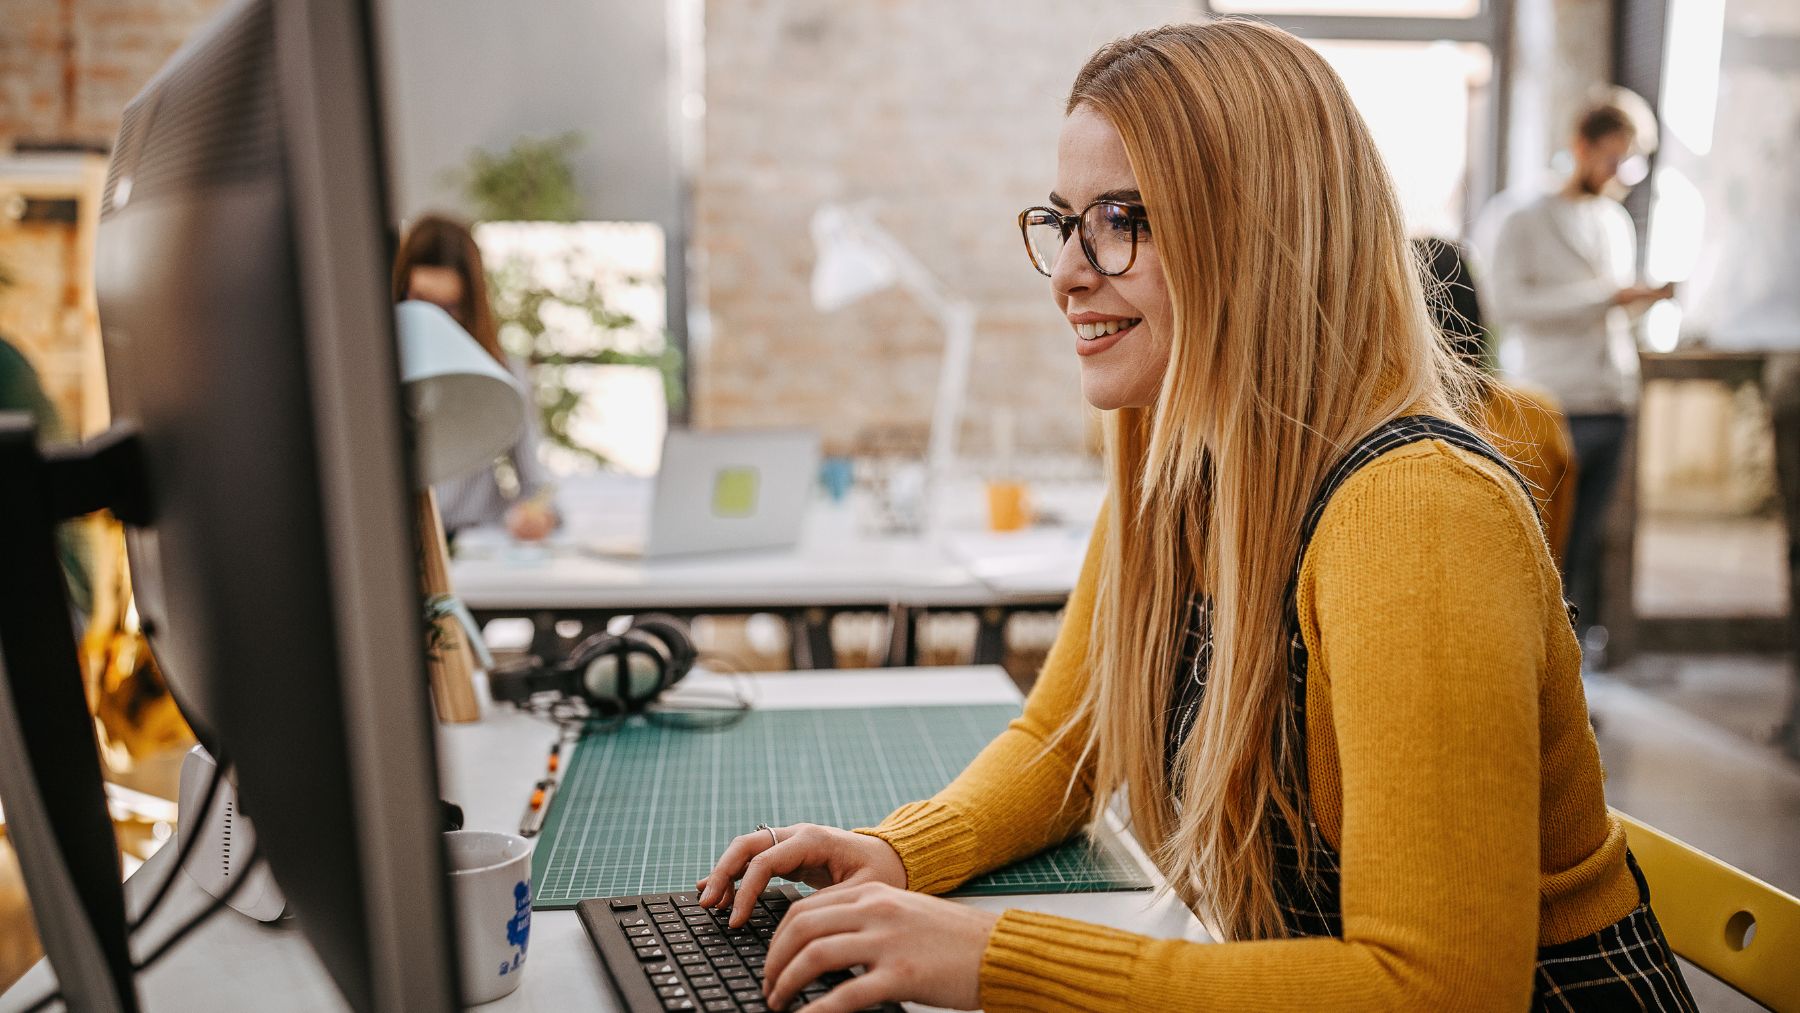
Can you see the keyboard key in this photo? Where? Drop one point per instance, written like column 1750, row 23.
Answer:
column 632, row 923
column 672, row 991
column 720, row 1006
column 755, row 1007
column 676, row 1005
column 691, row 960
column 718, row 951
column 651, row 953
column 640, row 932
column 754, row 962
column 661, row 908
column 705, row 994
column 623, row 904
column 747, row 995
column 737, row 973
column 678, row 937
column 656, row 969
column 703, row 981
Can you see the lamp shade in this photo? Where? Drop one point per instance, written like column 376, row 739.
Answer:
column 466, row 409
column 850, row 264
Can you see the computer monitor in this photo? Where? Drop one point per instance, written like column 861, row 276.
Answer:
column 241, row 266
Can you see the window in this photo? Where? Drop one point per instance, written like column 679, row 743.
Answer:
column 1354, row 8
column 582, row 306
column 1425, row 77
column 1427, row 103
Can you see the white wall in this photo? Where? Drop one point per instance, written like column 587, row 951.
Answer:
column 467, row 74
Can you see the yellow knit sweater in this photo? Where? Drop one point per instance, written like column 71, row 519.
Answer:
column 1452, row 767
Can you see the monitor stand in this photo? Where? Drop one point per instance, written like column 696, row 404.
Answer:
column 50, row 777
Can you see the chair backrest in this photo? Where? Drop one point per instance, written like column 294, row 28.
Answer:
column 1732, row 925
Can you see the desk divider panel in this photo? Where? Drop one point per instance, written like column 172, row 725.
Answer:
column 648, row 808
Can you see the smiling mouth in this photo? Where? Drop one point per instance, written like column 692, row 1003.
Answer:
column 1104, row 328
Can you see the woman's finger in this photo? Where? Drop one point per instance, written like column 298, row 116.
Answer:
column 830, row 953
column 731, row 863
column 847, row 892
column 799, row 928
column 783, row 858
column 860, row 992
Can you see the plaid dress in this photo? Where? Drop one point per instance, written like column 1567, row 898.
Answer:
column 1625, row 966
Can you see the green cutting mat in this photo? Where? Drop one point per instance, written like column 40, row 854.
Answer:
column 648, row 809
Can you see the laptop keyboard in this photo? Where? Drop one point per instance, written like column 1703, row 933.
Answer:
column 665, row 952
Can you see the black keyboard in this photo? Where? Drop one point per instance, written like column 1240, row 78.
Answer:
column 664, row 951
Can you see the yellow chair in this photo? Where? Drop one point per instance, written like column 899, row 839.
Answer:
column 1730, row 924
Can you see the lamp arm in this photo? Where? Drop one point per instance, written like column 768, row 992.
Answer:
column 953, row 386
column 957, row 316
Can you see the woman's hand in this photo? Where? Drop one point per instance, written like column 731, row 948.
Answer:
column 530, row 521
column 916, row 948
column 815, row 855
column 1635, row 295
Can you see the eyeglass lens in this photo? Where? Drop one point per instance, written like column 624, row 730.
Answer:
column 1108, row 237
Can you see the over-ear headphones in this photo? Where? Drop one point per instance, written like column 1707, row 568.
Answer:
column 615, row 674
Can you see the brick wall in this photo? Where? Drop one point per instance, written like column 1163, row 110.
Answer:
column 67, row 67
column 945, row 113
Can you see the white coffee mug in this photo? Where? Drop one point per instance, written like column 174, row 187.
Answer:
column 490, row 883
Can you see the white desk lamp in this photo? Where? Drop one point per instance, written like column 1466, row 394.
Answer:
column 856, row 258
column 466, row 410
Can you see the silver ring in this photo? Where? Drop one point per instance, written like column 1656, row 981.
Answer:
column 773, row 840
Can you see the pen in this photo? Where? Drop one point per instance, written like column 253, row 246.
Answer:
column 535, row 810
column 541, row 793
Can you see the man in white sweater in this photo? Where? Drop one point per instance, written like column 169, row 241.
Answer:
column 1561, row 278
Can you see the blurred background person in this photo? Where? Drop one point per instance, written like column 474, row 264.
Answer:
column 1523, row 422
column 439, row 263
column 1562, row 283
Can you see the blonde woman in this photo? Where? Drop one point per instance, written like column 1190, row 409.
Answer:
column 1318, row 643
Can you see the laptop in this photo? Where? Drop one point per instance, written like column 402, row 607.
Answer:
column 726, row 491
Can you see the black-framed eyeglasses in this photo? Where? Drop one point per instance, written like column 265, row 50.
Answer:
column 1109, row 235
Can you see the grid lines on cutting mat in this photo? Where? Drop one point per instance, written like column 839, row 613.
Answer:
column 648, row 808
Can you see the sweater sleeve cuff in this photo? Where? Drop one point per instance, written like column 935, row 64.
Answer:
column 1042, row 962
column 935, row 844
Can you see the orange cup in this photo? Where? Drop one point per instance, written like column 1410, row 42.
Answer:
column 1009, row 508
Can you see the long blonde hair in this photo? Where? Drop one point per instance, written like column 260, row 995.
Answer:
column 1299, row 326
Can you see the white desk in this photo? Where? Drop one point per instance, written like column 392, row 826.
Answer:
column 235, row 964
column 835, row 567
column 835, row 563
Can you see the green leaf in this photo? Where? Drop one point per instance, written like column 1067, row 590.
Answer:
column 531, row 181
